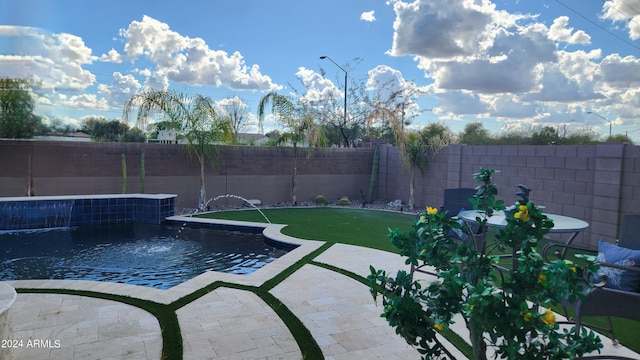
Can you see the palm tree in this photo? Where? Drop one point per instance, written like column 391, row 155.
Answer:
column 419, row 147
column 195, row 118
column 416, row 148
column 302, row 128
column 415, row 152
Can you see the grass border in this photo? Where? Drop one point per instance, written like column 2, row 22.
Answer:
column 172, row 347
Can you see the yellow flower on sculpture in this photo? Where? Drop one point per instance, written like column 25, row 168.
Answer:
column 432, row 210
column 438, row 326
column 549, row 318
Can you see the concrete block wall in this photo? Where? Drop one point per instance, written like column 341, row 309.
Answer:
column 595, row 183
column 253, row 172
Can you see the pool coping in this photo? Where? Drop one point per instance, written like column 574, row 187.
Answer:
column 167, row 296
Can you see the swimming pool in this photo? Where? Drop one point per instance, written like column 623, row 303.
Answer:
column 158, row 256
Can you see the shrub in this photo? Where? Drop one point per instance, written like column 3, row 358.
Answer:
column 321, row 200
column 504, row 316
column 344, row 201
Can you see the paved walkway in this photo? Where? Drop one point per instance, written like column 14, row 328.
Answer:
column 234, row 324
column 225, row 323
column 53, row 326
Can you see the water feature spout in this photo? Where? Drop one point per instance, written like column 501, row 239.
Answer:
column 239, row 198
column 25, row 215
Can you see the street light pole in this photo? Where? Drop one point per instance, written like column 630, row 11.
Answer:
column 345, row 84
column 603, row 118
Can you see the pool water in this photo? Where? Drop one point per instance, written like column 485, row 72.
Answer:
column 158, row 256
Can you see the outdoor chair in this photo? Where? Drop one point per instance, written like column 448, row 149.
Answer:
column 617, row 293
column 457, row 199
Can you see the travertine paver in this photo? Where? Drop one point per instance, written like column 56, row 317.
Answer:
column 228, row 323
column 234, row 324
column 341, row 316
column 66, row 327
column 357, row 259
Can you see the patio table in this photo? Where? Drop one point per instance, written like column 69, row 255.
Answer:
column 561, row 224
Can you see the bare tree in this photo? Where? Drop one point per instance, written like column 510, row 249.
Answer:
column 236, row 112
column 364, row 103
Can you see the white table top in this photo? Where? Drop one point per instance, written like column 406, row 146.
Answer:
column 561, row 224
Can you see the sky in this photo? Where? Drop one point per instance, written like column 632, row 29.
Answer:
column 570, row 64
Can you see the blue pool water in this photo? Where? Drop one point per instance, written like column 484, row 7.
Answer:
column 158, row 256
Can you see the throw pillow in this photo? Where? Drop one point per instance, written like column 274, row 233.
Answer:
column 617, row 278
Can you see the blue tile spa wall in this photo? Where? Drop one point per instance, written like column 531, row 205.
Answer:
column 44, row 212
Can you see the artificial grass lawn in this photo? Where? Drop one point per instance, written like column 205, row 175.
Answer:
column 360, row 227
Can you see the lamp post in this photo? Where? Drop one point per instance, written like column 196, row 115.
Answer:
column 345, row 84
column 603, row 118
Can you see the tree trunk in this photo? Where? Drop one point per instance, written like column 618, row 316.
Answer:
column 203, row 193
column 411, row 200
column 294, row 177
column 345, row 138
column 30, row 184
column 477, row 340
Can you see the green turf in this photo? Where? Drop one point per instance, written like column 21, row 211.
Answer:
column 361, row 227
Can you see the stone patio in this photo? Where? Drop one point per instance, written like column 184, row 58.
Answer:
column 225, row 323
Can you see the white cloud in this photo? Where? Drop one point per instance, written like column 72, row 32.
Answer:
column 621, row 72
column 318, row 88
column 555, row 86
column 490, row 63
column 511, row 64
column 189, row 60
column 252, row 125
column 86, row 101
column 560, row 32
column 368, row 16
column 234, row 101
column 389, row 83
column 122, row 88
column 143, row 72
column 460, row 103
column 50, row 61
column 157, row 80
column 624, row 11
column 440, row 29
column 509, row 106
column 112, row 56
